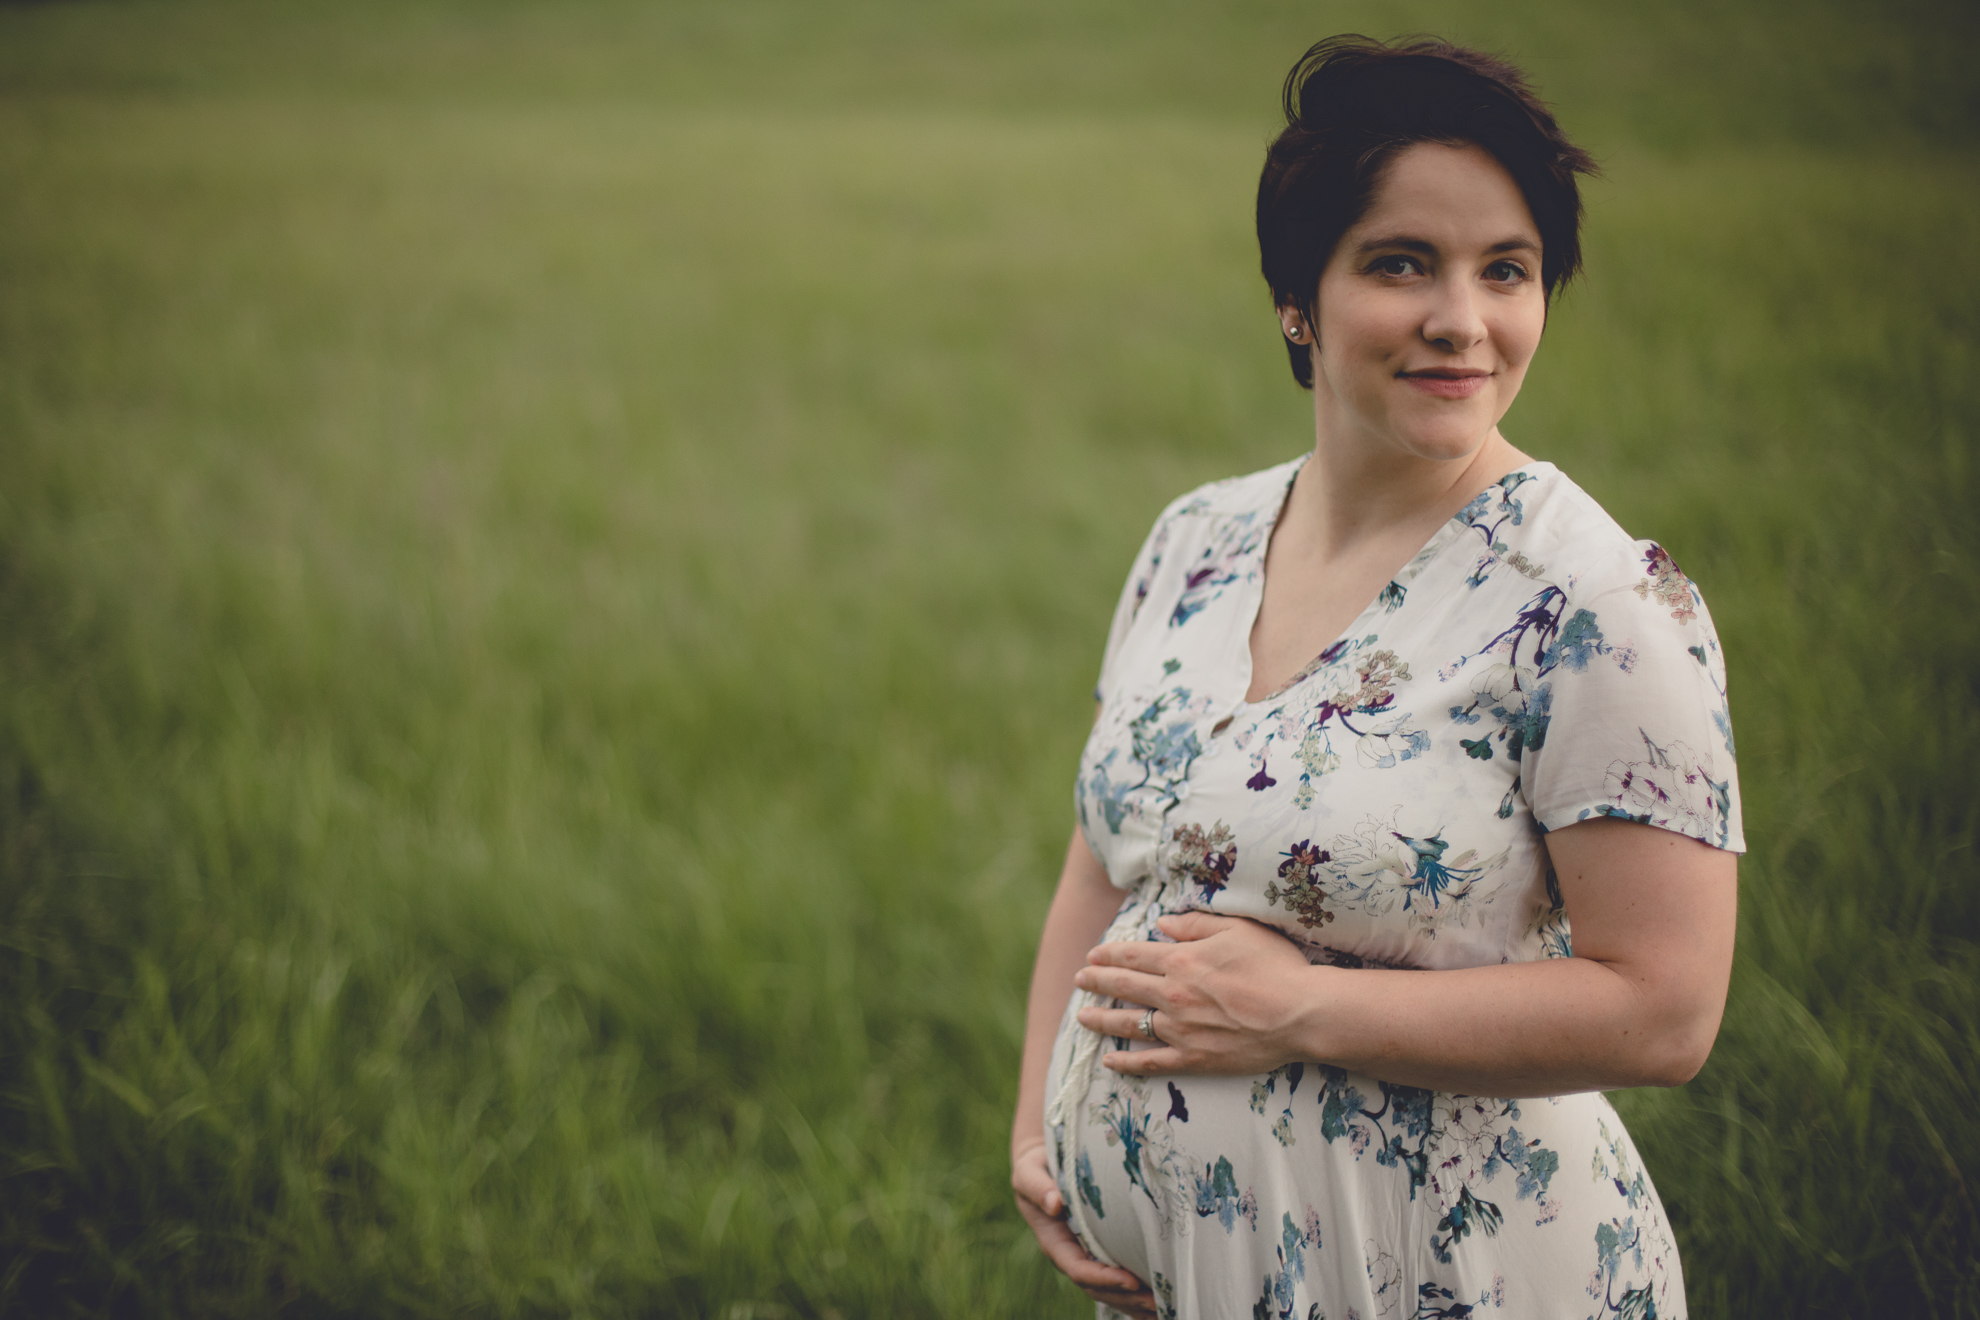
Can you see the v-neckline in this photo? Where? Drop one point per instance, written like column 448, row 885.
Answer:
column 1448, row 530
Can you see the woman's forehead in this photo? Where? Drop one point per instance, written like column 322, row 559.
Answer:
column 1450, row 191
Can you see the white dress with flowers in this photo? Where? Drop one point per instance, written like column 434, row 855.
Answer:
column 1531, row 667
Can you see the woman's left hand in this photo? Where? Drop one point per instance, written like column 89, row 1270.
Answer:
column 1226, row 996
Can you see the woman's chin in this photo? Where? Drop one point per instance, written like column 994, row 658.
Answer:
column 1439, row 430
column 1444, row 444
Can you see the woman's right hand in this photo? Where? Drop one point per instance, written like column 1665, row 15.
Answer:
column 1043, row 1208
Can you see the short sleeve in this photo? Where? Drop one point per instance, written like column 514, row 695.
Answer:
column 1141, row 577
column 1629, row 717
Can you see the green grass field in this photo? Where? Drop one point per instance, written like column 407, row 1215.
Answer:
column 552, row 559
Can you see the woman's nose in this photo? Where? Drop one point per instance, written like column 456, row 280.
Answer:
column 1454, row 321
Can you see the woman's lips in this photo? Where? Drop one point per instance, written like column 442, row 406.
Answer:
column 1451, row 385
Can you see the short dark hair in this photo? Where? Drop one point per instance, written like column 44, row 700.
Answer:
column 1352, row 103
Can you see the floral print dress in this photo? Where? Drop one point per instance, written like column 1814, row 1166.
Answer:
column 1531, row 667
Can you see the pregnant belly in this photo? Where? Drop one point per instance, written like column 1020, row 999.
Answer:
column 1173, row 1171
column 1348, row 1187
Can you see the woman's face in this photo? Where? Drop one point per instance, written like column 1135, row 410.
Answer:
column 1430, row 307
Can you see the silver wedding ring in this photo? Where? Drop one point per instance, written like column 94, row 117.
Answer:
column 1148, row 1026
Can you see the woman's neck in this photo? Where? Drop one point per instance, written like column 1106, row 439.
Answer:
column 1348, row 496
column 1349, row 525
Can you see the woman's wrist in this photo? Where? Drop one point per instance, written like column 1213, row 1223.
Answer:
column 1027, row 1133
column 1314, row 1030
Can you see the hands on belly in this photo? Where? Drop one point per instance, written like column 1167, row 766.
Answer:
column 1227, row 996
column 1044, row 1209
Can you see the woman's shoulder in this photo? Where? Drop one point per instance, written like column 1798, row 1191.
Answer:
column 1542, row 523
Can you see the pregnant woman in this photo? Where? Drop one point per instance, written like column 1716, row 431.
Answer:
column 1408, row 821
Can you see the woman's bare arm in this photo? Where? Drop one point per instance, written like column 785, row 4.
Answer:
column 1652, row 914
column 1081, row 911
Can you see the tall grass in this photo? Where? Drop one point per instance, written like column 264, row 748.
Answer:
column 551, row 560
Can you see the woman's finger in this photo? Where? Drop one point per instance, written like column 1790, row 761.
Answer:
column 1031, row 1180
column 1187, row 926
column 1147, row 1063
column 1108, row 1284
column 1063, row 1249
column 1089, row 1273
column 1117, row 983
column 1139, row 1302
column 1123, row 1022
column 1139, row 955
column 1140, row 1305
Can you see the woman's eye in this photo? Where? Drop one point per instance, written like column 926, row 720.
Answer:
column 1397, row 266
column 1505, row 272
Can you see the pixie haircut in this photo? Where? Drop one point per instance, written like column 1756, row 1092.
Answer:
column 1352, row 104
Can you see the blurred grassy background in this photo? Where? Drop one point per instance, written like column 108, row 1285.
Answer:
column 552, row 559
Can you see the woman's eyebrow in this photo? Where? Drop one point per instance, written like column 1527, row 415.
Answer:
column 1517, row 243
column 1403, row 241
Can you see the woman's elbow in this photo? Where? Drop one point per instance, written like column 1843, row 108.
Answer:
column 1680, row 1050
column 1679, row 1066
